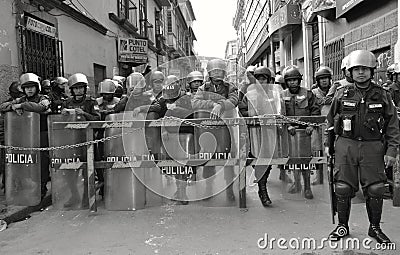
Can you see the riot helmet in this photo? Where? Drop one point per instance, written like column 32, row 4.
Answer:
column 262, row 73
column 15, row 90
column 361, row 59
column 292, row 77
column 320, row 75
column 46, row 87
column 28, row 80
column 136, row 83
column 216, row 69
column 107, row 86
column 195, row 79
column 58, row 85
column 172, row 88
column 78, row 80
column 157, row 80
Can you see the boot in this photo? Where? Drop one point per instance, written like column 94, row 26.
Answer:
column 262, row 191
column 284, row 177
column 343, row 205
column 374, row 210
column 307, row 187
column 296, row 186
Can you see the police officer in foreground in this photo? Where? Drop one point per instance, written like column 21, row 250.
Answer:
column 362, row 115
column 33, row 101
column 218, row 97
column 299, row 102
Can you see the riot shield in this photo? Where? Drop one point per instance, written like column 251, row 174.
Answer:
column 124, row 186
column 22, row 167
column 266, row 141
column 69, row 180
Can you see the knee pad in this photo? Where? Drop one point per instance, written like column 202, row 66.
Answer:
column 376, row 190
column 343, row 189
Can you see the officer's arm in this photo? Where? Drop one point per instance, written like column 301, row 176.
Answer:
column 391, row 131
column 42, row 106
column 243, row 107
column 330, row 119
column 120, row 106
column 312, row 102
column 158, row 106
column 6, row 106
column 232, row 101
column 199, row 101
column 92, row 115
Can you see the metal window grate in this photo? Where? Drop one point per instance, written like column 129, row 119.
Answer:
column 41, row 54
column 334, row 53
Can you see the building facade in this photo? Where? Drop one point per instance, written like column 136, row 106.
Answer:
column 310, row 33
column 99, row 38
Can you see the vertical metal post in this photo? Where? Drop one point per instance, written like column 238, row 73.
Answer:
column 90, row 172
column 242, row 163
column 396, row 182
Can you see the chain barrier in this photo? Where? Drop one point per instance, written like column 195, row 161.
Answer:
column 109, row 138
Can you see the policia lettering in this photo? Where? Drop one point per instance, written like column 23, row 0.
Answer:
column 362, row 116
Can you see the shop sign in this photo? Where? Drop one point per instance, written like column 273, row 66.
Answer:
column 41, row 27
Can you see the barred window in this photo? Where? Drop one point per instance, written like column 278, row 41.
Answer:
column 334, row 53
column 169, row 21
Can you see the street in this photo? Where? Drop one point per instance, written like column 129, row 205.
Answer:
column 197, row 228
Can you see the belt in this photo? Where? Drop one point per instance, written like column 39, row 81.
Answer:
column 360, row 138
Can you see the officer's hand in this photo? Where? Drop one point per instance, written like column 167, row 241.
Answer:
column 16, row 106
column 216, row 111
column 171, row 106
column 19, row 111
column 64, row 112
column 135, row 112
column 292, row 130
column 327, row 151
column 389, row 161
column 79, row 111
column 309, row 130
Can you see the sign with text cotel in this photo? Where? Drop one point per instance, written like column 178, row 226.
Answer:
column 132, row 50
column 343, row 6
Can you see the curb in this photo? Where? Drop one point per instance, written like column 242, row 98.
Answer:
column 21, row 212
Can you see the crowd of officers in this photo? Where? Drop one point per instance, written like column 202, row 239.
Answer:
column 361, row 114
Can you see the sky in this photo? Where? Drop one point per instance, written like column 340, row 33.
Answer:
column 213, row 26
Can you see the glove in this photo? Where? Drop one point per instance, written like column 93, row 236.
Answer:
column 309, row 130
column 216, row 111
column 292, row 130
column 389, row 161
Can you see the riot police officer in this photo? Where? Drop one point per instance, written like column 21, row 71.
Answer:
column 362, row 115
column 390, row 71
column 345, row 81
column 32, row 101
column 323, row 76
column 57, row 94
column 80, row 103
column 194, row 79
column 156, row 81
column 46, row 87
column 107, row 101
column 219, row 97
column 175, row 102
column 394, row 86
column 138, row 100
column 299, row 102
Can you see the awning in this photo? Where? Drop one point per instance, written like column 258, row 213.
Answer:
column 343, row 6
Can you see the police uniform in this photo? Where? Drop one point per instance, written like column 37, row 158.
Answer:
column 301, row 104
column 86, row 103
column 394, row 89
column 362, row 118
column 106, row 107
column 226, row 95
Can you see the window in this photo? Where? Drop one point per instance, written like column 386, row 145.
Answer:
column 127, row 10
column 159, row 23
column 143, row 18
column 315, row 46
column 334, row 53
column 169, row 21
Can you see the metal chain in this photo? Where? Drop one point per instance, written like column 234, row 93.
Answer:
column 102, row 140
